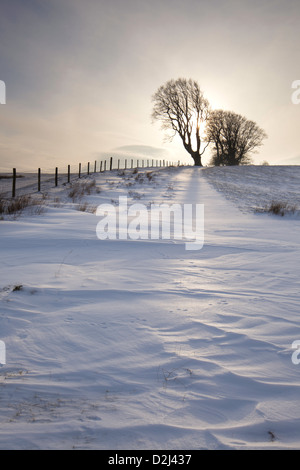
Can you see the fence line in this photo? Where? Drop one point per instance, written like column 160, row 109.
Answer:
column 99, row 167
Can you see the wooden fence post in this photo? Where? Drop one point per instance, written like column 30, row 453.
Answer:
column 101, row 166
column 95, row 167
column 125, row 163
column 39, row 180
column 88, row 168
column 79, row 171
column 104, row 165
column 56, row 176
column 14, row 182
column 111, row 160
column 69, row 173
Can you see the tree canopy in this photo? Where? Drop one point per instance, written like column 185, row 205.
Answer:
column 233, row 136
column 182, row 109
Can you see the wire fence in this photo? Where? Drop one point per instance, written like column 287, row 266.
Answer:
column 21, row 183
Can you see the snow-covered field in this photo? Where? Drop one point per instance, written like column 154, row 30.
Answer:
column 142, row 344
column 254, row 188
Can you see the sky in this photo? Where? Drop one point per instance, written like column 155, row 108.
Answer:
column 80, row 74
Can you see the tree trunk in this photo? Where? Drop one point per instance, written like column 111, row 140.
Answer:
column 197, row 158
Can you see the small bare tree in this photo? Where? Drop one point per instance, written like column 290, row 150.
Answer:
column 182, row 109
column 234, row 137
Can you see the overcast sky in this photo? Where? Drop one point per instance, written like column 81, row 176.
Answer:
column 80, row 74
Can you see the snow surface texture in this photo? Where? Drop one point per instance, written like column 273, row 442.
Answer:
column 123, row 344
column 254, row 188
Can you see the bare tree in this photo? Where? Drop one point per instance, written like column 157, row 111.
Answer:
column 234, row 137
column 182, row 109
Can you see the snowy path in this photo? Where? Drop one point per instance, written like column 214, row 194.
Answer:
column 143, row 344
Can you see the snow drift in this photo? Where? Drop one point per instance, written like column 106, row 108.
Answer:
column 141, row 344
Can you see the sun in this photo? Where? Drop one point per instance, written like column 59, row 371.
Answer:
column 200, row 124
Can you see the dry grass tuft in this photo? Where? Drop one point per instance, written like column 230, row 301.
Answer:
column 281, row 208
column 80, row 189
column 15, row 206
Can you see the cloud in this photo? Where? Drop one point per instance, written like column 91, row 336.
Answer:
column 145, row 150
